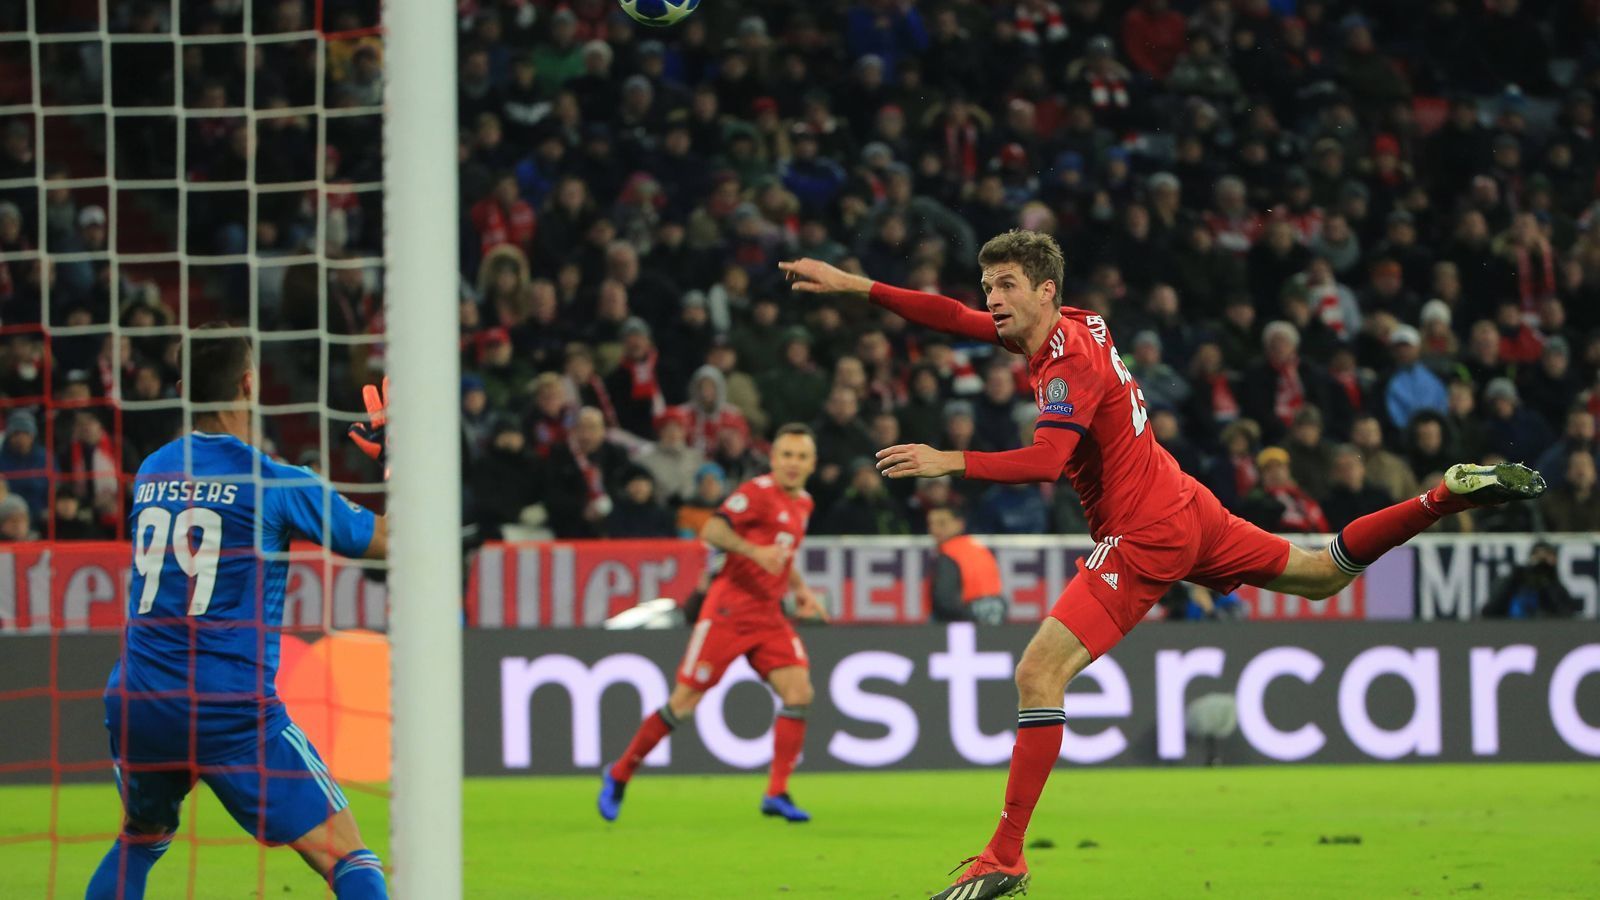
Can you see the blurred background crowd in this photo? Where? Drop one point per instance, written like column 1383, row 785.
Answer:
column 1341, row 245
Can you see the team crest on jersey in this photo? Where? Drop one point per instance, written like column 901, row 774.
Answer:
column 738, row 503
column 783, row 516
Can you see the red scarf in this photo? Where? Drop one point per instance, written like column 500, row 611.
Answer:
column 592, row 478
column 1291, row 393
column 549, row 431
column 1325, row 302
column 1107, row 92
column 1027, row 25
column 602, row 398
column 643, row 372
column 1533, row 287
column 1245, row 475
column 961, row 150
column 1352, row 387
column 1224, row 405
column 1300, row 512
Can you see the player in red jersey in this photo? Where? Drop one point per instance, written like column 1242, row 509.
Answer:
column 1154, row 525
column 759, row 526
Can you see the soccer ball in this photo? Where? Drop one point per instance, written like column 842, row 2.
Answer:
column 659, row 13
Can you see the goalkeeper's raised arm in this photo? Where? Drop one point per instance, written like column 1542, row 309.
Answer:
column 813, row 276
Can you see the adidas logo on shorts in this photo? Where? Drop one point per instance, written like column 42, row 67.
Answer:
column 1111, row 579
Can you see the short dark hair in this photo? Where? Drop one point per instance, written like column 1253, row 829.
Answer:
column 1036, row 252
column 217, row 363
column 799, row 428
column 954, row 512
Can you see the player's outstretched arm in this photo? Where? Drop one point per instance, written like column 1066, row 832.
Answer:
column 1041, row 461
column 813, row 276
column 719, row 534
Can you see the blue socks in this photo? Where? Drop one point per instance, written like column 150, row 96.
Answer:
column 359, row 876
column 122, row 873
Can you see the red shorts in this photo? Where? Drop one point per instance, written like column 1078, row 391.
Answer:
column 1126, row 574
column 715, row 643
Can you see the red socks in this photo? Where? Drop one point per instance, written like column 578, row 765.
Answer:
column 1361, row 542
column 1032, row 757
column 788, row 735
column 651, row 731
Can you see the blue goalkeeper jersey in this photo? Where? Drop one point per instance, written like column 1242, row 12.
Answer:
column 212, row 520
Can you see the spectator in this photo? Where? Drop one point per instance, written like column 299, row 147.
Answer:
column 1515, row 432
column 760, row 342
column 1533, row 590
column 1574, row 506
column 15, row 521
column 840, row 435
column 741, row 388
column 964, row 583
column 996, row 413
column 1412, row 386
column 671, row 461
column 1385, row 470
column 866, row 506
column 1349, row 497
column 476, row 422
column 504, row 376
column 1161, row 383
column 637, row 513
column 1278, row 503
column 1429, row 444
column 506, row 484
column 792, row 392
column 552, row 414
column 711, row 487
column 1283, row 383
column 1310, row 453
column 707, row 410
column 581, row 477
column 74, row 522
column 1011, row 509
column 734, row 454
column 1579, row 436
column 635, row 385
column 23, row 460
column 1551, row 384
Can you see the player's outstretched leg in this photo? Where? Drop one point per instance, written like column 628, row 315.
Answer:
column 793, row 684
column 1464, row 486
column 614, row 780
column 335, row 850
column 1053, row 657
column 126, row 866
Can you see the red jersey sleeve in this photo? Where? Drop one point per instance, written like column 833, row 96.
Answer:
column 743, row 507
column 933, row 311
column 1067, row 390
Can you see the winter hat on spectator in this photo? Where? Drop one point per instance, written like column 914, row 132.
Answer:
column 1296, row 177
column 1556, row 345
column 672, row 414
column 797, row 334
column 496, row 335
column 470, row 383
column 22, row 422
column 1435, row 310
column 877, row 153
column 9, row 210
column 1500, row 389
column 1100, row 45
column 752, row 26
column 637, row 83
column 958, row 408
column 634, row 325
column 91, row 215
column 694, row 299
column 652, row 48
column 1355, row 190
column 1405, row 334
column 1271, row 455
column 711, row 469
column 1402, row 216
column 763, row 105
column 12, row 506
column 1164, row 181
column 1147, row 338
column 504, row 424
column 1386, row 145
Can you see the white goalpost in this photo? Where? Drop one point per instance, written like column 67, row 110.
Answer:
column 425, row 489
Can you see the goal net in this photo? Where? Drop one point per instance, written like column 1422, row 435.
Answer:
column 166, row 164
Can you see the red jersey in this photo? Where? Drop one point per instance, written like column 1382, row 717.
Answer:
column 762, row 513
column 1123, row 476
column 1092, row 427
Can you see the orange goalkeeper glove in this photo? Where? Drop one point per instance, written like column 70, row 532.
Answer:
column 370, row 437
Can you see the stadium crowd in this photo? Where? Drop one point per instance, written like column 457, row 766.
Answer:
column 1340, row 244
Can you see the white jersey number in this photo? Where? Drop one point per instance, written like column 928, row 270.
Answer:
column 199, row 563
column 1135, row 395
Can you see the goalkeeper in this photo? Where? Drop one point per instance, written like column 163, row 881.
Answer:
column 192, row 697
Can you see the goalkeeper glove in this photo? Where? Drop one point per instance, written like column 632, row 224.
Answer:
column 370, row 437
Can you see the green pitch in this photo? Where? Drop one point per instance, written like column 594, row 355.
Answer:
column 1423, row 831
